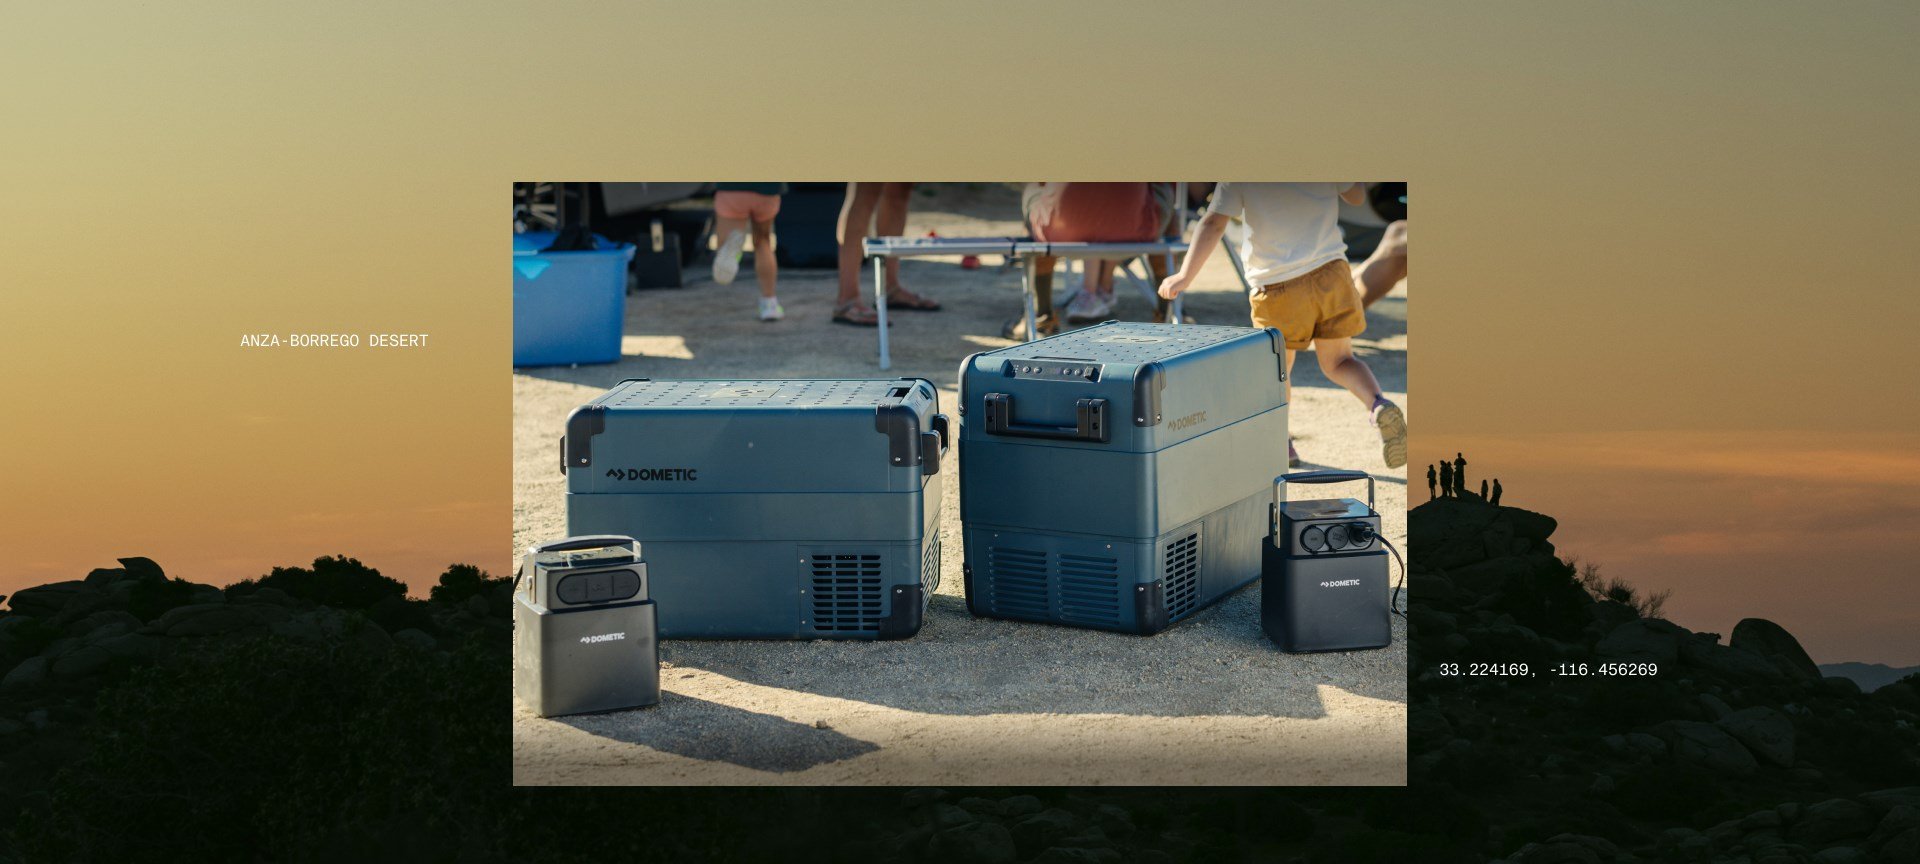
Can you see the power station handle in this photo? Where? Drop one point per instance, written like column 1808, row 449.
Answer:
column 1279, row 494
column 584, row 541
column 1090, row 421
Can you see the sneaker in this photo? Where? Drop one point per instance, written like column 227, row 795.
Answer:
column 1392, row 423
column 770, row 309
column 1088, row 306
column 726, row 262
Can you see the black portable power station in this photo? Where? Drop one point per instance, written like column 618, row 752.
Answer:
column 584, row 634
column 1323, row 573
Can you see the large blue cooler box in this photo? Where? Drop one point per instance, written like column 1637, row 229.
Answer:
column 768, row 509
column 568, row 307
column 1116, row 477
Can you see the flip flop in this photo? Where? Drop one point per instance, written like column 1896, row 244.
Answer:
column 901, row 298
column 845, row 314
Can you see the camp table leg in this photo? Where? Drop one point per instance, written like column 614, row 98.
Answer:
column 880, row 306
column 1180, row 227
column 1028, row 266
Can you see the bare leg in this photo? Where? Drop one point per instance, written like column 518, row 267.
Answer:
column 764, row 267
column 1289, row 382
column 1342, row 368
column 1043, row 288
column 892, row 222
column 722, row 228
column 1382, row 270
column 1101, row 277
column 732, row 236
column 855, row 215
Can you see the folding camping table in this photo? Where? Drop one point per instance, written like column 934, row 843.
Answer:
column 1026, row 251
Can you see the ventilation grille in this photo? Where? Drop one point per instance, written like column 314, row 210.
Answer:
column 1019, row 581
column 1182, row 575
column 930, row 566
column 1026, row 583
column 1089, row 590
column 847, row 595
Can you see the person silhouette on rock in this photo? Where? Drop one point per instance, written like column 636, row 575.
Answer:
column 1496, row 492
column 1430, row 481
column 1483, row 489
column 1446, row 479
column 1459, row 474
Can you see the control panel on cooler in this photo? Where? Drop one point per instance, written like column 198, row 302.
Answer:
column 1053, row 369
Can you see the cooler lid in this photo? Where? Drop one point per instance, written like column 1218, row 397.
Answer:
column 1125, row 342
column 737, row 395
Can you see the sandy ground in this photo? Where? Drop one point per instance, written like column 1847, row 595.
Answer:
column 968, row 701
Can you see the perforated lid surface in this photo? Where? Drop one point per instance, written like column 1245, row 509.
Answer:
column 748, row 394
column 1126, row 342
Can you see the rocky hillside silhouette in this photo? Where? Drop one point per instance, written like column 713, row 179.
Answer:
column 319, row 714
column 144, row 717
column 1735, row 750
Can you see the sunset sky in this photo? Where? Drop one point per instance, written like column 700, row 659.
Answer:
column 1811, row 530
column 1674, row 222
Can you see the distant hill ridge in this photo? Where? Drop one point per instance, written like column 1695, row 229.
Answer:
column 1870, row 676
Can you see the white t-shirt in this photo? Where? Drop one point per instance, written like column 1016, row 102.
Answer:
column 1291, row 228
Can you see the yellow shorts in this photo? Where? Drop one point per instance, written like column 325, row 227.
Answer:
column 1320, row 304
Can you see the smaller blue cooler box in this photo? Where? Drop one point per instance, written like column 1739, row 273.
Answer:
column 568, row 307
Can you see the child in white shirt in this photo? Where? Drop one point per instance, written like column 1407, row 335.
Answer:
column 1295, row 255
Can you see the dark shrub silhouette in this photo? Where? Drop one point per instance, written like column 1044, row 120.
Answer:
column 336, row 581
column 460, row 582
column 152, row 597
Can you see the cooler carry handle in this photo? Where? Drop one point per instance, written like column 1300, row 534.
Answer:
column 1279, row 483
column 1090, row 421
column 933, row 444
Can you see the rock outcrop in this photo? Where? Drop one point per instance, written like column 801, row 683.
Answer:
column 1645, row 760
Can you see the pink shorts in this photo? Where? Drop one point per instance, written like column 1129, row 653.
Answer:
column 745, row 205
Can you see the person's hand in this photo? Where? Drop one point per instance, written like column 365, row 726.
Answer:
column 1173, row 285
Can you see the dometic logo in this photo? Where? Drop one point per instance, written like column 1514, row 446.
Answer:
column 687, row 474
column 1194, row 419
column 1343, row 583
column 604, row 637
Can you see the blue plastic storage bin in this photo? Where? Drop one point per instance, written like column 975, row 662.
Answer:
column 568, row 307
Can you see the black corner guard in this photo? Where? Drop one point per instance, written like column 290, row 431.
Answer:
column 907, row 614
column 1279, row 350
column 585, row 422
column 901, row 424
column 960, row 381
column 1148, row 381
column 1150, row 608
column 966, row 589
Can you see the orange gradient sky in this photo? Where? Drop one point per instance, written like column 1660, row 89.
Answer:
column 1812, row 530
column 1663, row 218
